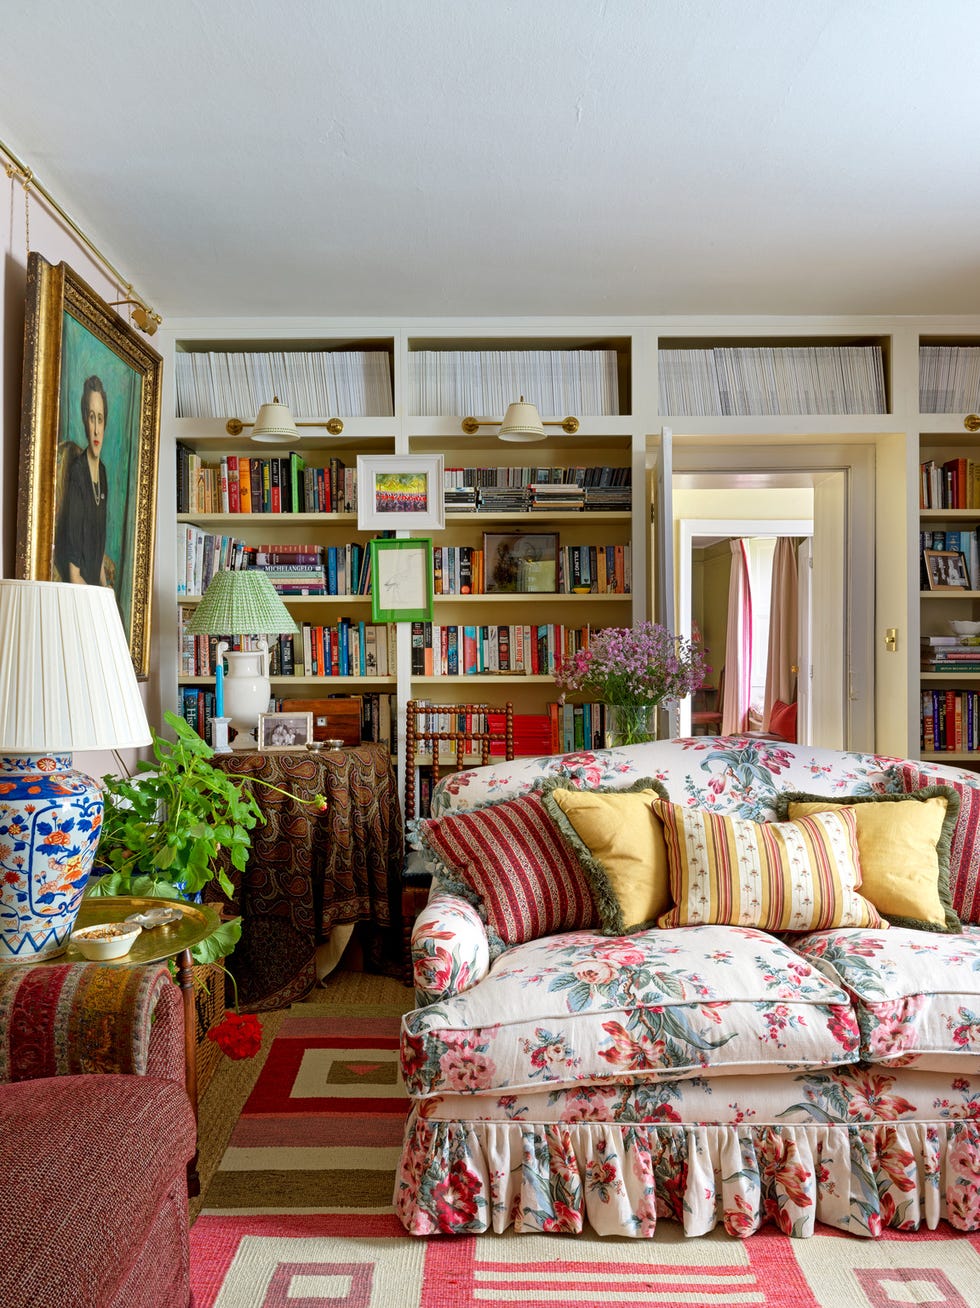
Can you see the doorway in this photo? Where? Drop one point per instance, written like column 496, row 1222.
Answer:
column 841, row 481
column 702, row 603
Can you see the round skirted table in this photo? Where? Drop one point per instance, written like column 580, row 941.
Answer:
column 312, row 868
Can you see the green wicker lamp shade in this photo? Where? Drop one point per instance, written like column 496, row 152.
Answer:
column 241, row 604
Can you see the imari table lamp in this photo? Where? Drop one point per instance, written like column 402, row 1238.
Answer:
column 241, row 603
column 66, row 683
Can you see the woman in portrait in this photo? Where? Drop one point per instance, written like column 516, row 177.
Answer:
column 81, row 533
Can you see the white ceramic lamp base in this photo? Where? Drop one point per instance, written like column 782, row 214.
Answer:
column 246, row 694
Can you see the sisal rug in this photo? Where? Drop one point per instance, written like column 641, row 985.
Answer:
column 298, row 1210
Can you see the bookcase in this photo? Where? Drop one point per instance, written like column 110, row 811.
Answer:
column 751, row 394
column 949, row 522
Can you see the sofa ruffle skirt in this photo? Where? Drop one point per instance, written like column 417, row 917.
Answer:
column 542, row 1163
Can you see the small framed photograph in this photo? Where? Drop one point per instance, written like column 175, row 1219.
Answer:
column 285, row 730
column 947, row 569
column 401, row 580
column 395, row 493
column 524, row 562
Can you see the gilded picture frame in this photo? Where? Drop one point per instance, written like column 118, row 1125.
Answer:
column 90, row 405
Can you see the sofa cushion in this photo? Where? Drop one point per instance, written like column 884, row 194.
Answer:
column 620, row 845
column 513, row 862
column 916, row 995
column 781, row 876
column 904, row 843
column 583, row 1008
column 964, row 853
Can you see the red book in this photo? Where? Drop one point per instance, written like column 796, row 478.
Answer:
column 234, row 501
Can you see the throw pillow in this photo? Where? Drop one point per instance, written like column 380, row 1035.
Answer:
column 964, row 850
column 782, row 720
column 512, row 861
column 903, row 841
column 620, row 846
column 780, row 876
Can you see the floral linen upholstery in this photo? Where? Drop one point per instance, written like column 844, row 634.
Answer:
column 585, row 1008
column 916, row 994
column 858, row 1146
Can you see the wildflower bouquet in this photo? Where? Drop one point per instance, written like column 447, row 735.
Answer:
column 634, row 669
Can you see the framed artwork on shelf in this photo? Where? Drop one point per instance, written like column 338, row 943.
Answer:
column 401, row 580
column 285, row 730
column 396, row 492
column 524, row 562
column 90, row 429
column 946, row 569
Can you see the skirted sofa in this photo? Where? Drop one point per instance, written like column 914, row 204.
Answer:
column 710, row 980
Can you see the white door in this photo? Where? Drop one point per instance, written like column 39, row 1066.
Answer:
column 828, row 653
column 663, row 544
column 804, row 613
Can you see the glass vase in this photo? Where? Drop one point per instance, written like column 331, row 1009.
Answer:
column 630, row 724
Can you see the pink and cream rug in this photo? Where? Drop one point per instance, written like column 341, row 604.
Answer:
column 299, row 1215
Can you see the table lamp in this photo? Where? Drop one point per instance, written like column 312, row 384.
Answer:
column 240, row 603
column 66, row 683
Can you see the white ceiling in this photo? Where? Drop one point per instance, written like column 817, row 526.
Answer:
column 510, row 157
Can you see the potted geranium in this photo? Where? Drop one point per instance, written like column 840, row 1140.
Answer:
column 633, row 671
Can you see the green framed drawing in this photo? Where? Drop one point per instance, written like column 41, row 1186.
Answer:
column 401, row 580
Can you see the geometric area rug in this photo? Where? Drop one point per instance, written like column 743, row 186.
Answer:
column 299, row 1215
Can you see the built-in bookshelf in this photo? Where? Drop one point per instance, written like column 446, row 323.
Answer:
column 765, row 379
column 949, row 523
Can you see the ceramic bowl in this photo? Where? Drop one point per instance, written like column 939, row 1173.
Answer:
column 963, row 628
column 106, row 940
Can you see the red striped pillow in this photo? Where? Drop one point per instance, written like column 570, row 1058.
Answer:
column 514, row 859
column 964, row 847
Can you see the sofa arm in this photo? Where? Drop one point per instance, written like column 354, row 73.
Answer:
column 63, row 1019
column 450, row 950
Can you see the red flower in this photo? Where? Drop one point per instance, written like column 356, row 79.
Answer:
column 239, row 1035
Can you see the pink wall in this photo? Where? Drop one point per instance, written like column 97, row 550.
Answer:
column 56, row 242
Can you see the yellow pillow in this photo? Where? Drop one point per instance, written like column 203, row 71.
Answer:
column 780, row 876
column 900, row 865
column 620, row 846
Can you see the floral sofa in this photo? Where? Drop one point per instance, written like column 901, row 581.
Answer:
column 705, row 1072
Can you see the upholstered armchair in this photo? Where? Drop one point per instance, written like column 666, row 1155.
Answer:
column 96, row 1130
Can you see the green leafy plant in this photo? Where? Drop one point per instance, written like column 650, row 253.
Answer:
column 165, row 831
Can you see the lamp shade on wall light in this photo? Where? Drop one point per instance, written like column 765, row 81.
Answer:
column 242, row 603
column 66, row 683
column 274, row 425
column 522, row 422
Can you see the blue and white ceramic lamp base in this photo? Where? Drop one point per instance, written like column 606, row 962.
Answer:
column 50, row 823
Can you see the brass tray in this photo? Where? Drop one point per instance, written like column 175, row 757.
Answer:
column 152, row 944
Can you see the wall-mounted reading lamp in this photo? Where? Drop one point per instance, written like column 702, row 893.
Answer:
column 274, row 425
column 522, row 422
column 147, row 320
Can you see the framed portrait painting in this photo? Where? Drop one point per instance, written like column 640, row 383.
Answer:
column 90, row 430
column 395, row 492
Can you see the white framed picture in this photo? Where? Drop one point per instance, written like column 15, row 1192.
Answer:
column 285, row 730
column 396, row 492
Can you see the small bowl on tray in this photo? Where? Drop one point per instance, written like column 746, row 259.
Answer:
column 105, row 940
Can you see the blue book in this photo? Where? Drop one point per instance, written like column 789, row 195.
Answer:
column 332, row 570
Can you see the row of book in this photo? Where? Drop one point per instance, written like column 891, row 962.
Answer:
column 966, row 543
column 484, row 382
column 313, row 383
column 949, row 378
column 942, row 653
column 950, row 721
column 954, row 484
column 462, row 650
column 293, row 569
column 196, row 706
column 590, row 476
column 771, row 380
column 581, row 569
column 277, row 484
column 347, row 648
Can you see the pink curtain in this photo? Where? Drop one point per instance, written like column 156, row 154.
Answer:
column 783, row 651
column 738, row 645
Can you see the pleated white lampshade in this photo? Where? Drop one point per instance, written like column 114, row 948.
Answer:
column 66, row 676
